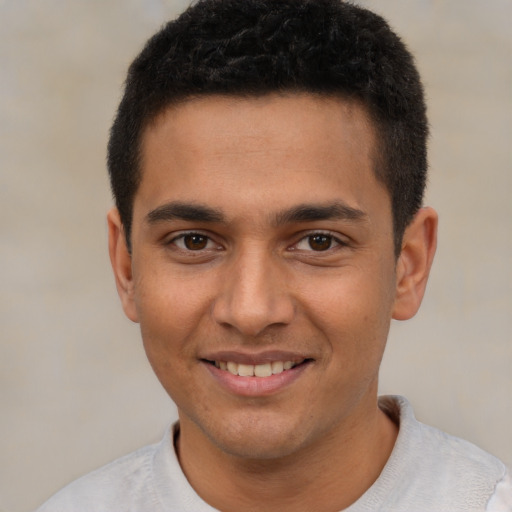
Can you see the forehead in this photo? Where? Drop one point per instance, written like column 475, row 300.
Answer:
column 294, row 148
column 290, row 116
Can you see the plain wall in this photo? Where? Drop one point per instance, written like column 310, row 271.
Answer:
column 75, row 388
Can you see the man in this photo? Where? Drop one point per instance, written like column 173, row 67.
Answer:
column 268, row 162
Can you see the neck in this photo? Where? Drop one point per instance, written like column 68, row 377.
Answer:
column 330, row 474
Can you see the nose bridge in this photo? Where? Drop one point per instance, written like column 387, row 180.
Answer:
column 252, row 295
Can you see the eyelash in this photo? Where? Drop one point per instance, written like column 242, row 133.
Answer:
column 333, row 241
column 182, row 237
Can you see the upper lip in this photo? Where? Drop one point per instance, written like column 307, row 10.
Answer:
column 267, row 356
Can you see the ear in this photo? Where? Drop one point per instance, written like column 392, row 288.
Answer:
column 414, row 262
column 121, row 263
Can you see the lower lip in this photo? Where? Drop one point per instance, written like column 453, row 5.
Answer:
column 256, row 386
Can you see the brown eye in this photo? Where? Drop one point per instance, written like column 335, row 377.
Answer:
column 195, row 242
column 320, row 242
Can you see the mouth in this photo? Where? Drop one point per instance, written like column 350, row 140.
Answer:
column 257, row 370
column 256, row 375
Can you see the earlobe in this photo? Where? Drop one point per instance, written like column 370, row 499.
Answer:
column 121, row 261
column 414, row 262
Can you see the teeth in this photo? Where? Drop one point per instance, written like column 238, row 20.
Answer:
column 255, row 370
column 246, row 370
column 277, row 367
column 232, row 368
column 263, row 370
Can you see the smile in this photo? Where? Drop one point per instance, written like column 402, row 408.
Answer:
column 255, row 370
column 256, row 375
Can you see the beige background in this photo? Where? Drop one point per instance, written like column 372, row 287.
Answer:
column 75, row 388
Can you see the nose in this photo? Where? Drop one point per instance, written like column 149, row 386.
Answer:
column 253, row 295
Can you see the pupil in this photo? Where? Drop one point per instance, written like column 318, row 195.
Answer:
column 195, row 242
column 320, row 242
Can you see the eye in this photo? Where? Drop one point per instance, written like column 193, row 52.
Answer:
column 317, row 242
column 193, row 242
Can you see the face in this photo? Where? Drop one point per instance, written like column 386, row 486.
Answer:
column 262, row 271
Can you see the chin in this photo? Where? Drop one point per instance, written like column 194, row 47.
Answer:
column 258, row 439
column 257, row 448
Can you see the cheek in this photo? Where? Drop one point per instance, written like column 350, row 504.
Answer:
column 168, row 323
column 353, row 309
column 169, row 315
column 165, row 299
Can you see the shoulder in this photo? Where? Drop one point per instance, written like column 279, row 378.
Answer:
column 107, row 488
column 148, row 479
column 444, row 472
column 501, row 500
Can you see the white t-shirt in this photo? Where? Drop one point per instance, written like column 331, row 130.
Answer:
column 428, row 471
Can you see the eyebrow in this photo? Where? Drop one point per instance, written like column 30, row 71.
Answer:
column 177, row 210
column 184, row 211
column 312, row 212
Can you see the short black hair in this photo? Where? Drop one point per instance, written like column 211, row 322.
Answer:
column 257, row 47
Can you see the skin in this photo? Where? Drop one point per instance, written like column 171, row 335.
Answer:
column 260, row 278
